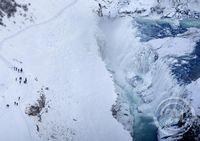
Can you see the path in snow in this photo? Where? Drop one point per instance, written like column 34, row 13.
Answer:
column 39, row 24
column 18, row 114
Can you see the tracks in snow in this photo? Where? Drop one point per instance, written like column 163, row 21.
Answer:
column 38, row 24
column 11, row 66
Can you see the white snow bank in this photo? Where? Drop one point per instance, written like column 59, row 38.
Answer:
column 62, row 55
column 172, row 46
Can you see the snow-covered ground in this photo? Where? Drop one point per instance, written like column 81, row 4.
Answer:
column 59, row 57
column 69, row 68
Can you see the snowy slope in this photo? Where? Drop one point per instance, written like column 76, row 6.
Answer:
column 59, row 52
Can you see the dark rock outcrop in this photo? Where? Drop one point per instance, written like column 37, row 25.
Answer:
column 8, row 8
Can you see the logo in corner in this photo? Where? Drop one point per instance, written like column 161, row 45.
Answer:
column 174, row 116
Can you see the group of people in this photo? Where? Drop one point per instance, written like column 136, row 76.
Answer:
column 21, row 80
column 15, row 103
column 18, row 70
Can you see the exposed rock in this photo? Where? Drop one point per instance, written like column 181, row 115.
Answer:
column 36, row 109
column 8, row 8
column 194, row 133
